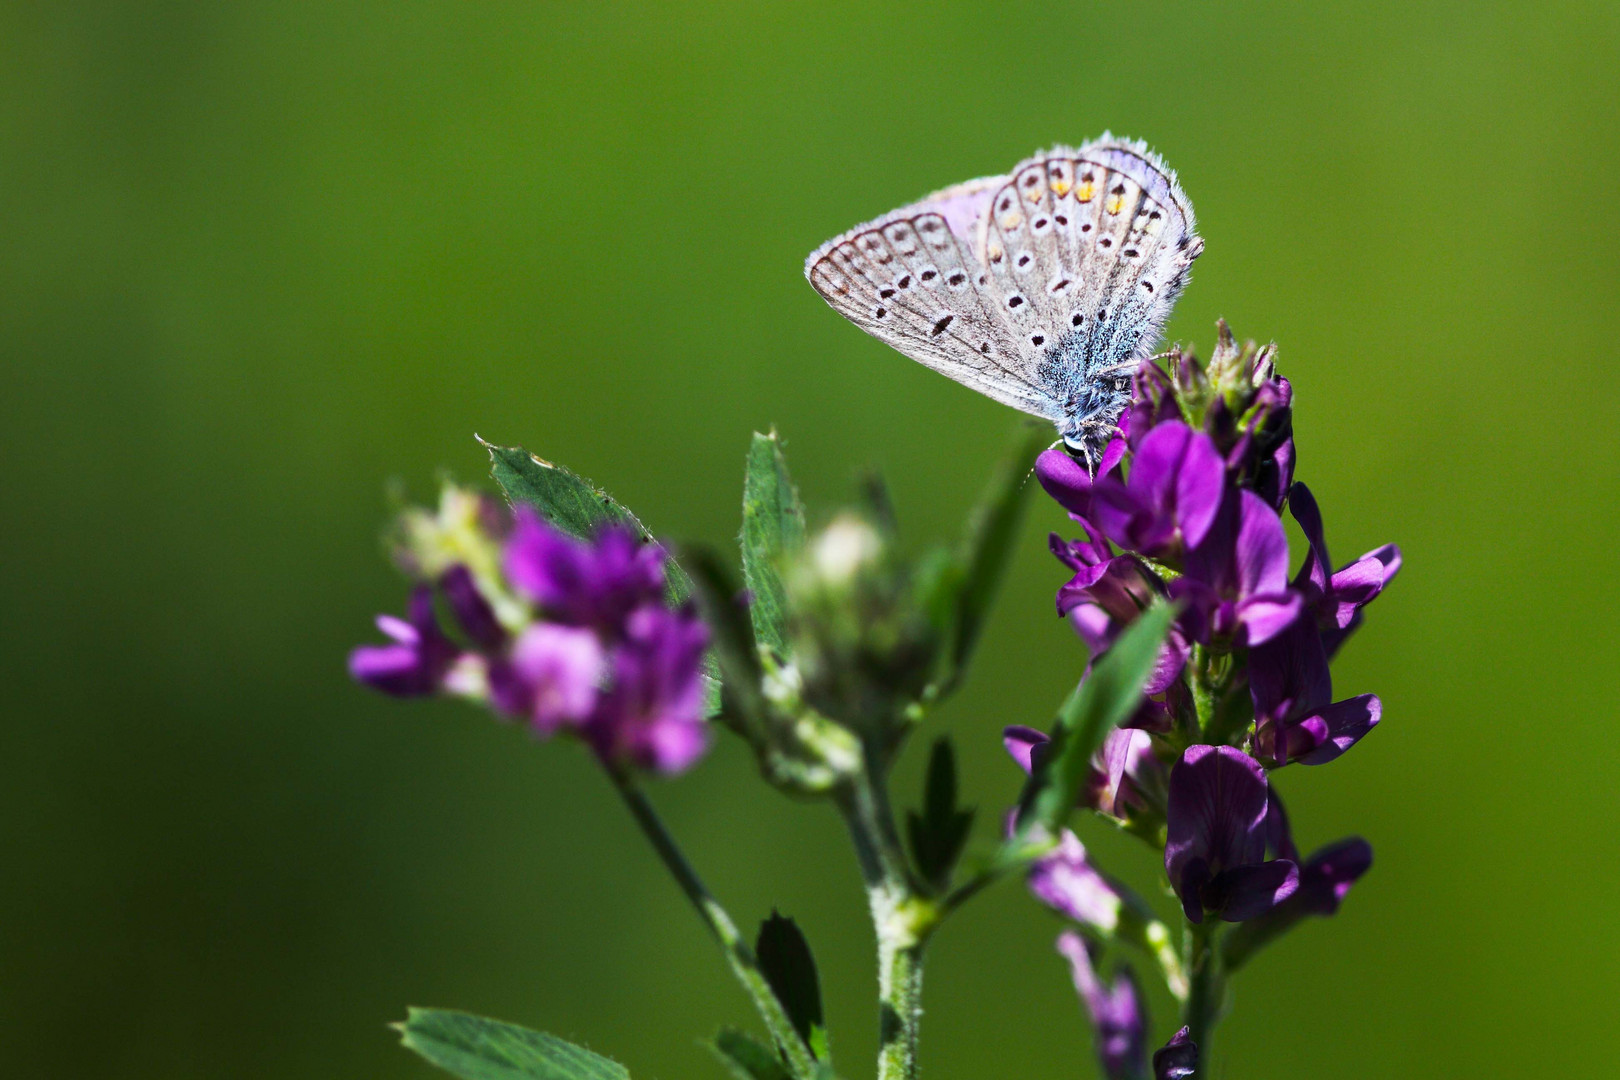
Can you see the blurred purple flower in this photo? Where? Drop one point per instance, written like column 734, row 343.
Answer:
column 1215, row 855
column 416, row 663
column 1118, row 768
column 651, row 715
column 471, row 609
column 1296, row 718
column 560, row 668
column 1118, row 1022
column 1236, row 584
column 1066, row 881
column 1170, row 498
column 583, row 583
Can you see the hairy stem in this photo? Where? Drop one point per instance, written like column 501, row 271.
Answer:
column 738, row 955
column 902, row 919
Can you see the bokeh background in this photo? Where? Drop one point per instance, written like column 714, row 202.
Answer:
column 258, row 259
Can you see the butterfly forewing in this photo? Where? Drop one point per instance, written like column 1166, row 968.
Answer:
column 1033, row 288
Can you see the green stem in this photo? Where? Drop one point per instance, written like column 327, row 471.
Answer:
column 1206, row 987
column 738, row 955
column 902, row 919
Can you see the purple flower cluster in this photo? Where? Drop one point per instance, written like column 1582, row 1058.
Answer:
column 1186, row 505
column 587, row 644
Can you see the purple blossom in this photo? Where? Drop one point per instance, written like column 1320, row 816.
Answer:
column 1120, row 767
column 1118, row 1022
column 651, row 715
column 1170, row 499
column 583, row 583
column 604, row 659
column 559, row 667
column 1106, row 594
column 1070, row 482
column 1176, row 1059
column 1337, row 597
column 1296, row 718
column 1236, row 584
column 472, row 610
column 416, row 663
column 1067, row 882
column 1325, row 880
column 1215, row 854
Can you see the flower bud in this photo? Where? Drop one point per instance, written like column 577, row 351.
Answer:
column 862, row 643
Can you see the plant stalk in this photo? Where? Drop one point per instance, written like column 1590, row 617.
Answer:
column 738, row 955
column 902, row 919
column 1206, row 987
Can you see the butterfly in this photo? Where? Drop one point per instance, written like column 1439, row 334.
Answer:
column 1044, row 289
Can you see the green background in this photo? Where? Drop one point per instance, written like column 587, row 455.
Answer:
column 256, row 259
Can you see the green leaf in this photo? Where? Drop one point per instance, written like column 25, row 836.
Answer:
column 570, row 502
column 939, row 833
column 784, row 956
column 1104, row 698
column 715, row 593
column 476, row 1048
column 773, row 529
column 746, row 1058
column 578, row 507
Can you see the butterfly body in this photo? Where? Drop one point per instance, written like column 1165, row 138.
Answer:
column 1043, row 289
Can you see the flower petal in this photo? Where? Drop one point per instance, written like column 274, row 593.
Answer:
column 1176, row 1059
column 1345, row 723
column 1254, row 890
column 1021, row 742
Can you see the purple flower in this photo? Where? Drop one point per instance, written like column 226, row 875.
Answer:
column 472, row 610
column 1337, row 597
column 1170, row 499
column 651, row 715
column 558, row 668
column 1176, row 1059
column 1070, row 482
column 1119, row 768
column 596, row 583
column 1325, row 880
column 1296, row 718
column 1215, row 854
column 416, row 663
column 1236, row 584
column 1118, row 1022
column 1066, row 881
column 1106, row 595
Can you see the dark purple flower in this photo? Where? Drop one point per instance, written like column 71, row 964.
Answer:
column 1176, row 1059
column 1170, row 498
column 1070, row 482
column 1296, row 718
column 1337, row 597
column 1153, row 402
column 416, row 663
column 472, row 610
column 651, row 715
column 1066, row 881
column 1120, row 766
column 1215, row 854
column 1236, row 582
column 1106, row 595
column 1118, row 1022
column 1325, row 880
column 596, row 583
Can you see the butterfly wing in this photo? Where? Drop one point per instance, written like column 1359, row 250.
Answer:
column 1095, row 245
column 1028, row 286
column 912, row 279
